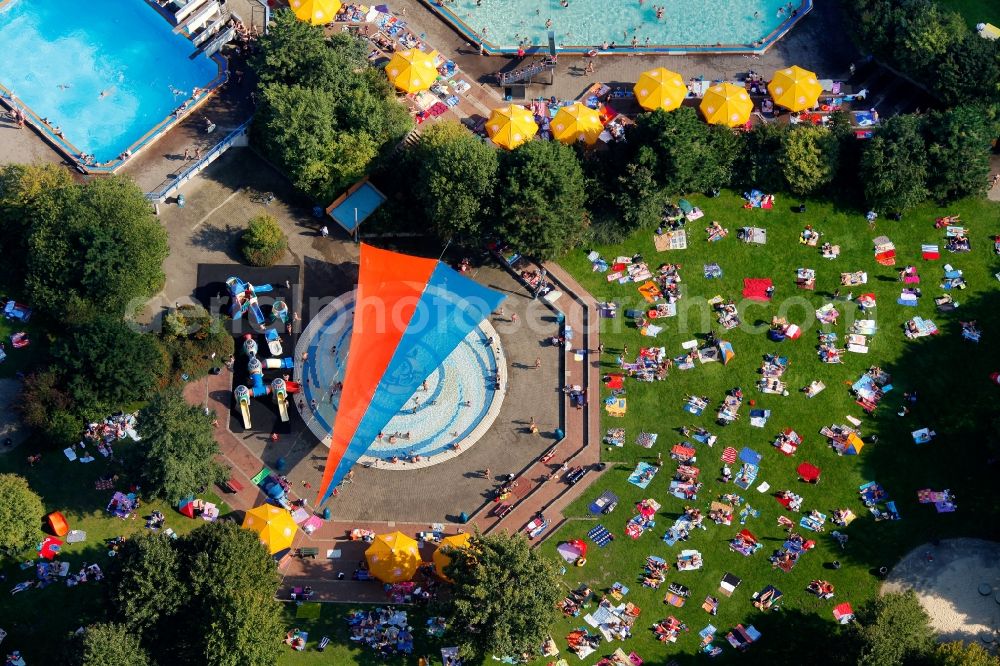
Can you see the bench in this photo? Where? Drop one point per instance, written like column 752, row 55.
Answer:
column 308, row 552
column 231, row 485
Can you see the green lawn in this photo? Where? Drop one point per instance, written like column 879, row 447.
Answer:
column 38, row 621
column 975, row 11
column 950, row 374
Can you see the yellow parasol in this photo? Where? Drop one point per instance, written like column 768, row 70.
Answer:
column 511, row 126
column 726, row 104
column 660, row 89
column 273, row 525
column 412, row 70
column 393, row 558
column 441, row 558
column 795, row 88
column 316, row 12
column 576, row 122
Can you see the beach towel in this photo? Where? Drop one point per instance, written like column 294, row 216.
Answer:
column 646, row 439
column 600, row 536
column 642, row 475
column 671, row 240
column 755, row 289
column 759, row 417
column 712, row 271
column 930, row 252
column 605, row 503
column 615, row 407
column 729, row 455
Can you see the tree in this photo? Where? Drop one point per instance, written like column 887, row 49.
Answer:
column 894, row 165
column 178, row 456
column 958, row 144
column 808, row 158
column 105, row 364
column 503, row 596
column 30, row 195
column 926, row 35
column 105, row 250
column 110, row 645
column 637, row 195
column 263, row 242
column 540, row 198
column 455, row 178
column 758, row 163
column 146, row 586
column 43, row 399
column 691, row 155
column 894, row 629
column 21, row 513
column 232, row 618
column 295, row 127
column 957, row 653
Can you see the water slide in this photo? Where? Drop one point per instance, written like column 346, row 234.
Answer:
column 280, row 395
column 258, row 315
column 242, row 394
column 274, row 342
column 258, row 388
column 278, row 363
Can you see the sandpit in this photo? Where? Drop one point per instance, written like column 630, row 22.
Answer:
column 950, row 578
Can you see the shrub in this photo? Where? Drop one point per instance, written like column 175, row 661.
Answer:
column 263, row 243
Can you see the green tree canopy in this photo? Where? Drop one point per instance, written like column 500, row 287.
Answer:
column 179, row 447
column 105, row 364
column 295, row 127
column 145, row 583
column 540, row 198
column 104, row 251
column 503, row 596
column 21, row 513
column 758, row 164
column 110, row 645
column 808, row 158
column 325, row 114
column 263, row 242
column 455, row 175
column 957, row 653
column 894, row 165
column 958, row 144
column 691, row 155
column 30, row 196
column 894, row 629
column 232, row 617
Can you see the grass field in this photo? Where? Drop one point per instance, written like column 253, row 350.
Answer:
column 975, row 11
column 39, row 621
column 949, row 374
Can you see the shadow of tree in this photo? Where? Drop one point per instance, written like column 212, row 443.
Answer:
column 219, row 239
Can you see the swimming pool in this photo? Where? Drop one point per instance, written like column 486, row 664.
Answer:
column 686, row 25
column 354, row 206
column 456, row 405
column 103, row 74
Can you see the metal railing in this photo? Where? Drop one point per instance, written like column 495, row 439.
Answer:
column 171, row 185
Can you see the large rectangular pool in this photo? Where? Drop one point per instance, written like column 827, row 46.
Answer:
column 101, row 73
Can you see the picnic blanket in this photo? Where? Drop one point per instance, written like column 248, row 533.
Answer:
column 646, row 439
column 930, row 252
column 615, row 437
column 643, row 474
column 729, row 455
column 615, row 406
column 600, row 536
column 755, row 289
column 752, row 235
column 671, row 240
column 713, row 271
column 759, row 417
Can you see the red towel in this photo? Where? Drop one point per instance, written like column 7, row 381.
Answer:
column 730, row 455
column 756, row 288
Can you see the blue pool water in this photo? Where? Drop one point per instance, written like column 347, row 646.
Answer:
column 104, row 71
column 457, row 399
column 592, row 22
column 361, row 203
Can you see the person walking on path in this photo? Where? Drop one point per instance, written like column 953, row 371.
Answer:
column 513, row 317
column 538, row 362
column 324, row 232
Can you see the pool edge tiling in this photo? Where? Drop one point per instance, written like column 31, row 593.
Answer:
column 61, row 138
column 758, row 47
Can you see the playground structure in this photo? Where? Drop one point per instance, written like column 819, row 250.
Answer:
column 278, row 388
column 243, row 299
